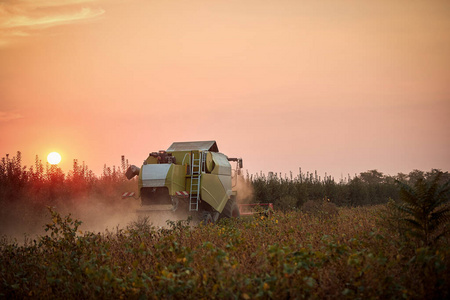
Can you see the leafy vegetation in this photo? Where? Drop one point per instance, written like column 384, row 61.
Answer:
column 288, row 255
column 322, row 243
column 367, row 188
column 424, row 208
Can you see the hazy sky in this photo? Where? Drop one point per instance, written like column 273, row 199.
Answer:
column 336, row 86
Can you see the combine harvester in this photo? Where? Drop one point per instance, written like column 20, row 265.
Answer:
column 189, row 178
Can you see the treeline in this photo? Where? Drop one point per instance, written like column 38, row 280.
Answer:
column 48, row 184
column 44, row 185
column 367, row 188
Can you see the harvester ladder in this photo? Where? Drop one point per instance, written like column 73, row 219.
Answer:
column 196, row 173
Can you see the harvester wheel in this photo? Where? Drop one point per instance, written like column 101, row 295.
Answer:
column 207, row 218
column 231, row 210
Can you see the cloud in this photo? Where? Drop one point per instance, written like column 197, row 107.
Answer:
column 9, row 116
column 24, row 17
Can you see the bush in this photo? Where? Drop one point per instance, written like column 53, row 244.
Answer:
column 424, row 208
column 322, row 209
column 287, row 203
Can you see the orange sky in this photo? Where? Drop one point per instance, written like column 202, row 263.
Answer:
column 336, row 86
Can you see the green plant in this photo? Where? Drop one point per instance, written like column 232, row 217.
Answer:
column 425, row 205
column 391, row 219
column 62, row 229
column 323, row 209
column 286, row 256
column 287, row 203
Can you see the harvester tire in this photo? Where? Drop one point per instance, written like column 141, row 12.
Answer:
column 207, row 219
column 231, row 210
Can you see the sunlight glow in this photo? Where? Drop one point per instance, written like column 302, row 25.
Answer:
column 54, row 158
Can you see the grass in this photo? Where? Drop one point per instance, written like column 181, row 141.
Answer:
column 288, row 255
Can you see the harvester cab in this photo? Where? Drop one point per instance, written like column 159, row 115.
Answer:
column 189, row 178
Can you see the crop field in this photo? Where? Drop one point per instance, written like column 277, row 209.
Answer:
column 287, row 255
column 319, row 243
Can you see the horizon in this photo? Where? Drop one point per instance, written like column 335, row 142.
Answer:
column 295, row 173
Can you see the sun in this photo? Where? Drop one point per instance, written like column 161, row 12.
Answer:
column 54, row 158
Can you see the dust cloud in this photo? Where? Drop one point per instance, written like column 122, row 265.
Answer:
column 244, row 190
column 20, row 220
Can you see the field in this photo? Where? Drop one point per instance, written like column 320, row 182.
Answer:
column 325, row 240
column 288, row 255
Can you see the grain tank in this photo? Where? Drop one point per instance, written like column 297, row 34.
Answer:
column 189, row 178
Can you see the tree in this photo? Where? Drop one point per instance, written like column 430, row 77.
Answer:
column 425, row 205
column 372, row 177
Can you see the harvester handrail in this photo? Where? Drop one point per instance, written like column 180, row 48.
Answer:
column 182, row 163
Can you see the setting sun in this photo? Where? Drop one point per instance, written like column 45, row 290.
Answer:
column 54, row 158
